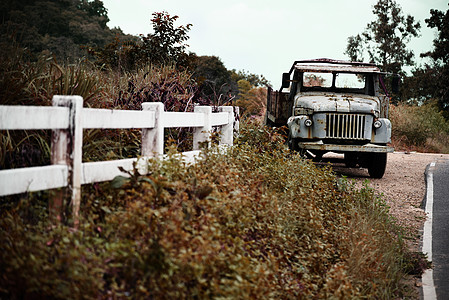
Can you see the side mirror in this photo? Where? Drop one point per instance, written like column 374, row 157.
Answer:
column 285, row 80
column 395, row 83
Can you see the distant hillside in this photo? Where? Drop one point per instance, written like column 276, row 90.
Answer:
column 63, row 27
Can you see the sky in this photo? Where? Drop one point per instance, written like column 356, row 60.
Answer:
column 265, row 37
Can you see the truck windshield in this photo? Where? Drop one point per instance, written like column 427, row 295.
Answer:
column 350, row 81
column 317, row 79
column 336, row 82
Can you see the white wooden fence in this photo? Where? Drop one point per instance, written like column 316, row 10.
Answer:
column 67, row 118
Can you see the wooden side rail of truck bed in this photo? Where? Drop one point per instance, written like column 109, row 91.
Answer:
column 278, row 108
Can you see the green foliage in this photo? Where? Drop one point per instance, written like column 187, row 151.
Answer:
column 118, row 55
column 385, row 39
column 253, row 79
column 60, row 27
column 255, row 222
column 422, row 85
column 251, row 100
column 165, row 46
column 213, row 78
column 220, row 84
column 72, row 27
column 244, row 86
column 174, row 88
column 95, row 8
column 27, row 79
column 430, row 81
column 27, row 82
column 420, row 128
column 440, row 21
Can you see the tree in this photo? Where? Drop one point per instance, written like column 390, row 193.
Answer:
column 440, row 56
column 422, row 85
column 95, row 8
column 429, row 81
column 251, row 100
column 253, row 79
column 166, row 44
column 440, row 21
column 385, row 39
column 62, row 26
column 213, row 78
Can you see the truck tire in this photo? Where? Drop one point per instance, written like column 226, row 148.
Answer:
column 350, row 159
column 292, row 143
column 377, row 165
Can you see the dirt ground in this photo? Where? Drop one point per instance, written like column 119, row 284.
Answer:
column 404, row 189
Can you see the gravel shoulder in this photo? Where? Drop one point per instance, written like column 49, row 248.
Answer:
column 403, row 187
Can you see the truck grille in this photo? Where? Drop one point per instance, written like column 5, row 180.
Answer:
column 345, row 126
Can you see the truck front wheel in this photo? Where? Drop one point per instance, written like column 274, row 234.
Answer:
column 351, row 159
column 377, row 164
column 292, row 143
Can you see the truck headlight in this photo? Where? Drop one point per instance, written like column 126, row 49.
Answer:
column 308, row 122
column 377, row 124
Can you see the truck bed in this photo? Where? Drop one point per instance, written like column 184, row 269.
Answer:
column 278, row 108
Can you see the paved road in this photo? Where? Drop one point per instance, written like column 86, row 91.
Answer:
column 440, row 229
column 437, row 207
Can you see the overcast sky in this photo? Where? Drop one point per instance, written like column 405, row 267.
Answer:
column 264, row 36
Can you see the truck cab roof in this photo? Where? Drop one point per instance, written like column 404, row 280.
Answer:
column 336, row 76
column 337, row 68
column 325, row 65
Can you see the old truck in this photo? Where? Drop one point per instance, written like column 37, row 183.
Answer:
column 335, row 106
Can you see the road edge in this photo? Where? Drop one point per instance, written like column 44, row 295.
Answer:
column 428, row 287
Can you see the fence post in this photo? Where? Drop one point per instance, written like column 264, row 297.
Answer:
column 66, row 149
column 153, row 138
column 227, row 131
column 202, row 134
column 236, row 120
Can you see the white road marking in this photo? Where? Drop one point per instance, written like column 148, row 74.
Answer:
column 427, row 277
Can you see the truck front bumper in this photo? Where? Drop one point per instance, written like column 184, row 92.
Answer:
column 319, row 145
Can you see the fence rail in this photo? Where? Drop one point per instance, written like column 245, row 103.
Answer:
column 67, row 118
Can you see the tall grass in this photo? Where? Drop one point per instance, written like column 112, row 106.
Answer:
column 419, row 128
column 34, row 82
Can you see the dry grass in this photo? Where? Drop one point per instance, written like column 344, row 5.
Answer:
column 419, row 128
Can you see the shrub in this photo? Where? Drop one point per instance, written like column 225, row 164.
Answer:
column 27, row 82
column 419, row 128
